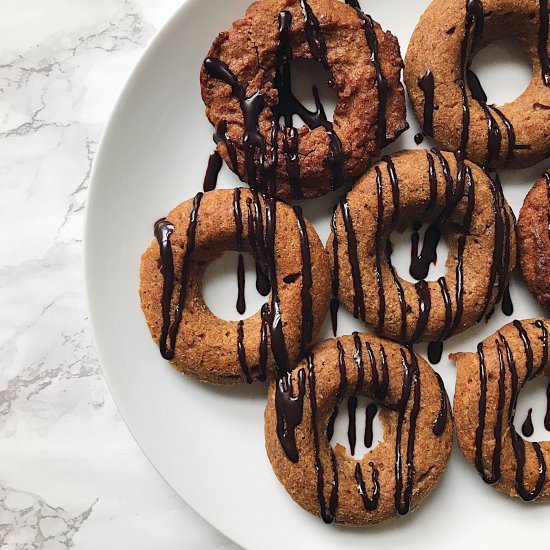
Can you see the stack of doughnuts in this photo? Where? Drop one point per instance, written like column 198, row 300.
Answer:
column 246, row 87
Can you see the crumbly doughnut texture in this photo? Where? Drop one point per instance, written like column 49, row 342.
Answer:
column 487, row 386
column 519, row 131
column 207, row 347
column 249, row 49
column 411, row 398
column 534, row 241
column 475, row 220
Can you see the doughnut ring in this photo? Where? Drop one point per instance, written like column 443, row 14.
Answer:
column 190, row 336
column 246, row 87
column 534, row 240
column 455, row 197
column 394, row 477
column 487, row 387
column 447, row 96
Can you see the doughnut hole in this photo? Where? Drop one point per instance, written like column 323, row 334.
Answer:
column 220, row 287
column 307, row 73
column 504, row 70
column 345, row 418
column 402, row 250
column 533, row 396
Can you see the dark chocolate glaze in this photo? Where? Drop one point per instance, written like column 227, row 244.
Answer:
column 400, row 293
column 546, row 177
column 358, row 360
column 424, row 306
column 418, row 138
column 358, row 296
column 370, row 503
column 342, row 369
column 163, row 230
column 426, row 84
column 223, row 136
column 529, row 365
column 263, row 286
column 411, row 385
column 441, row 420
column 378, row 240
column 241, row 303
column 507, row 305
column 352, row 427
column 543, row 43
column 335, row 285
column 328, row 513
column 241, row 353
column 394, row 181
column 527, row 428
column 370, row 414
column 510, row 132
column 290, row 409
column 547, row 414
column 544, row 341
column 215, row 163
column 435, row 351
column 420, row 263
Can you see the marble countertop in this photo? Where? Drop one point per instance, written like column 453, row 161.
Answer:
column 71, row 475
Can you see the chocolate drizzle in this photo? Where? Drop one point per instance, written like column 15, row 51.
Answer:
column 435, row 351
column 507, row 305
column 290, row 410
column 547, row 413
column 215, row 163
column 241, row 353
column 441, row 419
column 543, row 43
column 527, row 428
column 420, row 263
column 546, row 177
column 426, row 84
column 163, row 230
column 370, row 503
column 352, row 428
column 241, row 303
column 335, row 285
column 370, row 414
column 378, row 239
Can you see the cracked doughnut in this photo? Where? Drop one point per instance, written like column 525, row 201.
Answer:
column 448, row 98
column 534, row 240
column 394, row 477
column 455, row 197
column 487, row 386
column 189, row 335
column 246, row 87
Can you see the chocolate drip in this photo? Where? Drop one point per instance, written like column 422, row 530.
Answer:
column 292, row 161
column 441, row 419
column 546, row 177
column 264, row 331
column 442, row 282
column 400, row 293
column 507, row 305
column 238, row 218
column 432, row 175
column 223, row 136
column 547, row 414
column 241, row 303
column 251, row 107
column 352, row 428
column 358, row 296
column 544, row 341
column 306, row 335
column 335, row 285
column 478, row 93
column 418, row 138
column 342, row 369
column 163, row 230
column 511, row 134
column 426, row 84
column 420, row 263
column 328, row 514
column 290, row 410
column 394, row 180
column 370, row 414
column 378, row 239
column 358, row 359
column 543, row 43
column 263, row 286
column 526, row 347
column 382, row 84
column 241, row 353
column 403, row 489
column 371, row 503
column 527, row 428
column 435, row 351
column 424, row 306
column 474, row 19
column 215, row 163
column 331, row 421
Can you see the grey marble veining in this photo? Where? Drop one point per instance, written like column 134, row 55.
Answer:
column 71, row 475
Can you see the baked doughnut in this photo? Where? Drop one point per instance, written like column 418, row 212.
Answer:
column 395, row 476
column 487, row 386
column 447, row 97
column 534, row 240
column 190, row 336
column 455, row 197
column 246, row 87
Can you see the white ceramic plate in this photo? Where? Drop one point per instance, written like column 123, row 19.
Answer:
column 208, row 442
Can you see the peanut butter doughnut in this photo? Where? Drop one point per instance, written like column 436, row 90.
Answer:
column 447, row 97
column 456, row 198
column 246, row 86
column 395, row 476
column 534, row 240
column 487, row 386
column 190, row 336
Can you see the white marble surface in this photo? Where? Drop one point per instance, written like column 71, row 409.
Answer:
column 71, row 475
